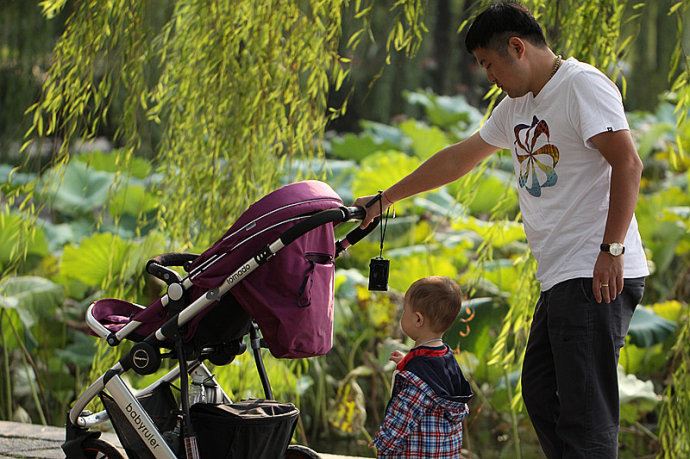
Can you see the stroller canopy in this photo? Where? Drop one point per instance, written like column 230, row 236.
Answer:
column 291, row 295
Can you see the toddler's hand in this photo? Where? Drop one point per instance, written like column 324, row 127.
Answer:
column 397, row 356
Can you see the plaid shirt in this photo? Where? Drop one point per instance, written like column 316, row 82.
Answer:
column 419, row 423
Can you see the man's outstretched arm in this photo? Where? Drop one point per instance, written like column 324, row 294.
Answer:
column 445, row 166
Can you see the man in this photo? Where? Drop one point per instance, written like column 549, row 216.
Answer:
column 578, row 176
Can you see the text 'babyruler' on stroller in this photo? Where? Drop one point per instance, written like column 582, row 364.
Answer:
column 269, row 277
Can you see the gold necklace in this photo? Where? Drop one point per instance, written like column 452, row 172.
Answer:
column 556, row 65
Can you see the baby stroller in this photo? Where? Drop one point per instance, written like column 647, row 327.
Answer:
column 270, row 277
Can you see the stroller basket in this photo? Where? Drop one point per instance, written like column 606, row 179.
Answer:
column 251, row 428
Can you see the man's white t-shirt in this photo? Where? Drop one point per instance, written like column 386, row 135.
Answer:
column 563, row 181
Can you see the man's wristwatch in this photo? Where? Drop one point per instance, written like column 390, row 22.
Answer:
column 614, row 248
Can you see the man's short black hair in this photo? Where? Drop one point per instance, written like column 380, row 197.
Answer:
column 495, row 25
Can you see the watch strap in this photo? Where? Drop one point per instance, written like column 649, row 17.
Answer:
column 607, row 248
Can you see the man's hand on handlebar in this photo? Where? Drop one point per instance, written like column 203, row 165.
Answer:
column 375, row 209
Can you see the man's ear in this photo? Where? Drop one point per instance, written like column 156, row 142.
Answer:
column 517, row 45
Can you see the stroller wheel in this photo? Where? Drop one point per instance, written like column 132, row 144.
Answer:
column 95, row 448
column 300, row 452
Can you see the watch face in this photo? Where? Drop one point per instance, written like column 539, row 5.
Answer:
column 616, row 249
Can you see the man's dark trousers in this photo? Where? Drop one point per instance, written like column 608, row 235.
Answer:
column 569, row 376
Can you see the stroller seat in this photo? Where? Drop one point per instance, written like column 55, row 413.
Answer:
column 219, row 326
column 112, row 314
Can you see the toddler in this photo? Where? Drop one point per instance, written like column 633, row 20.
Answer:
column 424, row 415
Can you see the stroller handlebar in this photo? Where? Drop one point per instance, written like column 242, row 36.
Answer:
column 356, row 212
column 356, row 235
column 157, row 266
column 336, row 215
column 174, row 259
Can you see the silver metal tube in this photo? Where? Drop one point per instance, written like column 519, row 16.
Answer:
column 93, row 419
column 95, row 325
column 127, row 329
column 86, row 396
column 210, row 380
column 84, row 399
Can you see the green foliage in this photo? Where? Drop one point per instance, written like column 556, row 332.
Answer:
column 219, row 94
column 69, row 232
column 11, row 226
column 348, row 412
column 241, row 380
column 358, row 147
column 388, row 134
column 232, row 104
column 79, row 192
column 28, row 308
column 425, row 140
column 654, row 328
column 10, row 178
column 474, row 330
column 103, row 257
column 499, row 234
column 675, row 411
column 378, row 170
column 648, row 329
column 132, row 200
column 420, row 265
column 31, row 297
column 452, row 113
column 495, row 191
column 116, row 162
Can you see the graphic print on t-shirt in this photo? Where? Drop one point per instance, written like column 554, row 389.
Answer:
column 535, row 165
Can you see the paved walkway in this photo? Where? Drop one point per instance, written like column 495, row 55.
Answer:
column 35, row 441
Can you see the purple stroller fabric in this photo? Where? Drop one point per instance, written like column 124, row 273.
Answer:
column 115, row 314
column 290, row 296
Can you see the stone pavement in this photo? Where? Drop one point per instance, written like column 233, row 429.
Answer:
column 35, row 441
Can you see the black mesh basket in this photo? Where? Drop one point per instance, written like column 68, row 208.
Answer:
column 257, row 429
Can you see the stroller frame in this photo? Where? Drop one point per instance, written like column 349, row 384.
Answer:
column 145, row 355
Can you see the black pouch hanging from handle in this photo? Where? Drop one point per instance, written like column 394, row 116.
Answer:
column 379, row 267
